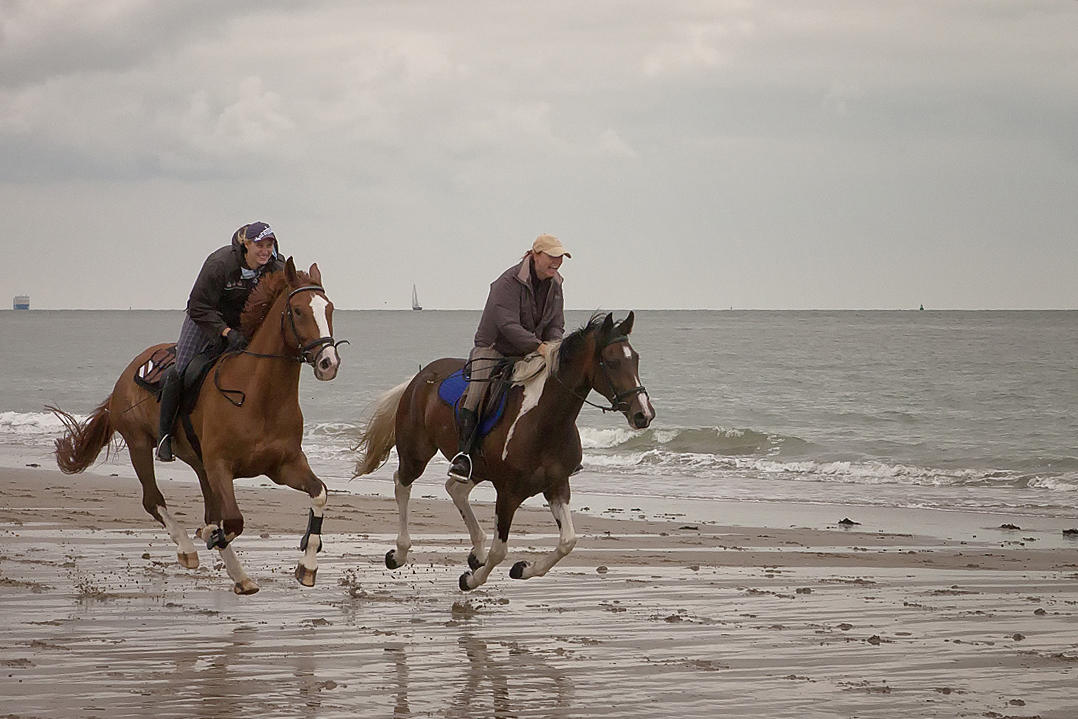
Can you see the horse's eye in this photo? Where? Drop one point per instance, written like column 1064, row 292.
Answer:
column 614, row 363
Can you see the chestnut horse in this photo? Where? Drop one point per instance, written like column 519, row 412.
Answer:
column 247, row 420
column 533, row 448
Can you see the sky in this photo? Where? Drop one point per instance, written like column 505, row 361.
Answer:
column 845, row 154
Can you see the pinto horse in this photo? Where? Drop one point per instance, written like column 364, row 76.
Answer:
column 247, row 420
column 534, row 447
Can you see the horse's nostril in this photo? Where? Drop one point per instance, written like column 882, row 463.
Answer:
column 325, row 363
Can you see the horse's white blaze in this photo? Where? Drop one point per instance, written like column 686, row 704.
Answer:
column 533, row 390
column 318, row 308
column 645, row 401
column 628, row 352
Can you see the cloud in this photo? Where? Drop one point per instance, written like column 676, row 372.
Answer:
column 735, row 133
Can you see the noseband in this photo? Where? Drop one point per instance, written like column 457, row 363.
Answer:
column 318, row 344
column 620, row 402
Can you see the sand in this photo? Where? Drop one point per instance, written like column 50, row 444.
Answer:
column 775, row 618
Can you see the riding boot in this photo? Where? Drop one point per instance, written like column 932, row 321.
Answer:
column 461, row 467
column 171, row 386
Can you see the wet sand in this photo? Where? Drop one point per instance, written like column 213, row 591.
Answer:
column 643, row 619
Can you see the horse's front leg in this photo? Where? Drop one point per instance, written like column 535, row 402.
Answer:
column 298, row 475
column 505, row 508
column 460, row 491
column 224, row 523
column 559, row 507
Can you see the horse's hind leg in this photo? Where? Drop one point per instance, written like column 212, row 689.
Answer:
column 559, row 507
column 153, row 502
column 398, row 557
column 411, row 461
column 460, row 491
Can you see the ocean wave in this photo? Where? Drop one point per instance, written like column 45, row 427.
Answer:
column 722, row 441
column 704, row 454
column 30, row 425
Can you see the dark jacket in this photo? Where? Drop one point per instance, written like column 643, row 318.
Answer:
column 511, row 322
column 220, row 292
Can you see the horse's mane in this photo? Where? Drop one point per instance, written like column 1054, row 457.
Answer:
column 262, row 298
column 574, row 341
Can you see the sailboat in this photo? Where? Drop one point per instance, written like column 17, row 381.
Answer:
column 415, row 300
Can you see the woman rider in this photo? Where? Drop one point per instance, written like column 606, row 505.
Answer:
column 524, row 311
column 213, row 312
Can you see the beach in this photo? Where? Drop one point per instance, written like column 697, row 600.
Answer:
column 645, row 618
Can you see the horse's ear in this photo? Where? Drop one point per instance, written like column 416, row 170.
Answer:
column 626, row 325
column 290, row 271
column 608, row 325
column 316, row 276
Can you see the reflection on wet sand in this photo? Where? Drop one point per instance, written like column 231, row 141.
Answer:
column 92, row 625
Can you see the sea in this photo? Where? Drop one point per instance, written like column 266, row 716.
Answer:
column 942, row 411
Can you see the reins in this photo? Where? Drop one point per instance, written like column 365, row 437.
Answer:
column 305, row 356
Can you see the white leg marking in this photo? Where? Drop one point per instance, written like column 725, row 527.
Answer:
column 235, row 571
column 177, row 532
column 310, row 555
column 460, row 491
column 404, row 540
column 566, row 542
column 498, row 550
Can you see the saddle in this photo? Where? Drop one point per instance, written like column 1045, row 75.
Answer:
column 512, row 371
column 151, row 374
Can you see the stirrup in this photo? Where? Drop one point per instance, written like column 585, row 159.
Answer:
column 164, row 449
column 461, row 458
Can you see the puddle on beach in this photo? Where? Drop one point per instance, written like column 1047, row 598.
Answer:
column 107, row 624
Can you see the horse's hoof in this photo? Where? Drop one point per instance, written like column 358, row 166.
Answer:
column 474, row 562
column 464, row 582
column 247, row 586
column 517, row 572
column 391, row 560
column 306, row 576
column 188, row 559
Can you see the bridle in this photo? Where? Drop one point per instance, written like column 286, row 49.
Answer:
column 318, row 344
column 620, row 401
column 305, row 350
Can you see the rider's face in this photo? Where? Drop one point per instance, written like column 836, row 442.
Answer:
column 546, row 265
column 258, row 253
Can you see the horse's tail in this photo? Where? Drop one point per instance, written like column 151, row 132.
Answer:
column 380, row 432
column 83, row 441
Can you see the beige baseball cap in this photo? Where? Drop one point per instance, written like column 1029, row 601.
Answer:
column 550, row 245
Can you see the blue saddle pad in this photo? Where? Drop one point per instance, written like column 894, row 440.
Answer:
column 450, row 392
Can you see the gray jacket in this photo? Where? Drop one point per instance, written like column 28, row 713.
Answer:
column 511, row 321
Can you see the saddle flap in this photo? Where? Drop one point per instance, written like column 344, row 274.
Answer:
column 452, row 389
column 149, row 374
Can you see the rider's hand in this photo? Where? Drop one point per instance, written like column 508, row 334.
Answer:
column 236, row 341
